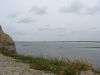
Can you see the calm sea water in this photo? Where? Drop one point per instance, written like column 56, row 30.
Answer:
column 75, row 50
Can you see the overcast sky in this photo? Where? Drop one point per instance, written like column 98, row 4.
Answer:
column 51, row 20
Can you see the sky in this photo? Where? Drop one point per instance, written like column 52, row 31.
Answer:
column 51, row 20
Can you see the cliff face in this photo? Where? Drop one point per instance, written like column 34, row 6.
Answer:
column 1, row 29
column 6, row 42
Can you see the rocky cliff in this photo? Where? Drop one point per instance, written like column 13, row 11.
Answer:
column 6, row 42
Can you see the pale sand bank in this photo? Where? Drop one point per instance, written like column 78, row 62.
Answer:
column 9, row 66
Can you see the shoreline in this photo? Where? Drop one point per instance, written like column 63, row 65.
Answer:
column 55, row 66
column 11, row 66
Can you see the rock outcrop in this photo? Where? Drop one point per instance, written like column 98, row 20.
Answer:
column 6, row 42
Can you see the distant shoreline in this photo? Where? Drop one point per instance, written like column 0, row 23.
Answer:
column 59, row 41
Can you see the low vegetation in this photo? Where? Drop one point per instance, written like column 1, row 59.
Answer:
column 59, row 67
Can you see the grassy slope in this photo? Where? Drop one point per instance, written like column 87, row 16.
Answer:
column 59, row 67
column 4, row 37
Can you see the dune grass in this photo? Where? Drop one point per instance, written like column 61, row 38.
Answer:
column 56, row 66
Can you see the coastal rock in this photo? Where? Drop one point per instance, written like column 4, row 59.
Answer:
column 6, row 42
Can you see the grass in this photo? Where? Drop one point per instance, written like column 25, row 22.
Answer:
column 59, row 67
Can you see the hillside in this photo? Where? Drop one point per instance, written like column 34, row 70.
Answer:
column 6, row 42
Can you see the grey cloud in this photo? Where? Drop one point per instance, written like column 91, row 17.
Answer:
column 93, row 10
column 26, row 20
column 52, row 29
column 38, row 10
column 73, row 7
column 61, row 29
column 14, row 15
column 19, row 33
column 43, row 29
column 79, row 7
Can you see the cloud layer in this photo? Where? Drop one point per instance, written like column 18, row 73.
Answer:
column 81, row 8
column 14, row 14
column 74, row 7
column 26, row 20
column 38, row 20
column 38, row 10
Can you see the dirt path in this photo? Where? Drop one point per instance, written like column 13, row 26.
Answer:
column 9, row 66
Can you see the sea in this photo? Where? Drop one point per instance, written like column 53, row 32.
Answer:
column 81, row 50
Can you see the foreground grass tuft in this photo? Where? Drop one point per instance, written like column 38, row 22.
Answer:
column 59, row 67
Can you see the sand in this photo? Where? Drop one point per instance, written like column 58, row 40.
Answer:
column 9, row 66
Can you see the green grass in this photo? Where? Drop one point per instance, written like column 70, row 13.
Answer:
column 59, row 67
